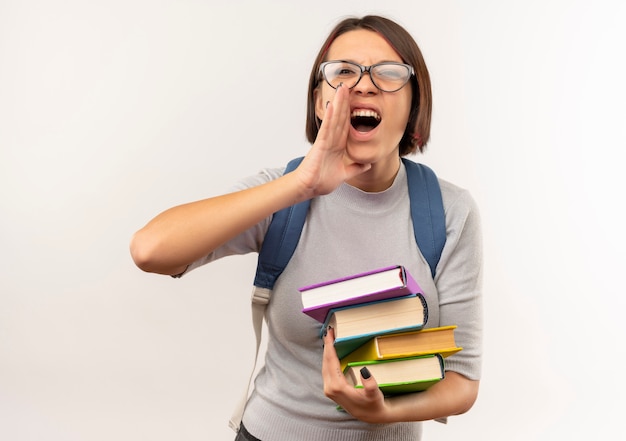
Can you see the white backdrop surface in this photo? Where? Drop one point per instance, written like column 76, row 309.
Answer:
column 111, row 111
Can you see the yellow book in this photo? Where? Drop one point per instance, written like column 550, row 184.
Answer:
column 406, row 344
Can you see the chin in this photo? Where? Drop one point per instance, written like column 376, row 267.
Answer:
column 362, row 152
column 365, row 153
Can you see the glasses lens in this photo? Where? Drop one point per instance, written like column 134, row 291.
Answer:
column 390, row 77
column 337, row 72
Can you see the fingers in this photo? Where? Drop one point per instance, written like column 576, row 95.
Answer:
column 342, row 115
column 367, row 403
column 370, row 386
column 335, row 129
column 333, row 375
column 334, row 381
column 336, row 124
column 331, row 367
column 326, row 165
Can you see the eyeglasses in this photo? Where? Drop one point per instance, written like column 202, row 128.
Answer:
column 388, row 76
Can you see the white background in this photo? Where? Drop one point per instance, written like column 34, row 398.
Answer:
column 111, row 111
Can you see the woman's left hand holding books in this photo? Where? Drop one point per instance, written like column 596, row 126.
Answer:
column 366, row 404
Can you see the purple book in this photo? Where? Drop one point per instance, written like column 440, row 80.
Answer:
column 379, row 284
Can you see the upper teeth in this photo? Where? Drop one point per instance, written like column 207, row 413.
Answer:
column 365, row 113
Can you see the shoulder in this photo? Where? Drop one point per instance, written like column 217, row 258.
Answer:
column 263, row 176
column 456, row 199
column 461, row 212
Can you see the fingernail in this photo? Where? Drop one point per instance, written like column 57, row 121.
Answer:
column 365, row 372
column 327, row 103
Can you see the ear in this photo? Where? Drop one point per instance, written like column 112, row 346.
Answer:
column 320, row 106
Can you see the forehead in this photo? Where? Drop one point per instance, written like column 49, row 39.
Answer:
column 363, row 46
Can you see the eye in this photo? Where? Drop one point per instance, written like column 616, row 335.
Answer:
column 337, row 72
column 391, row 72
column 346, row 70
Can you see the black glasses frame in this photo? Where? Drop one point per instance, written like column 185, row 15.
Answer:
column 368, row 69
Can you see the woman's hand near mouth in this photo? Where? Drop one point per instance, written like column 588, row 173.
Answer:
column 327, row 166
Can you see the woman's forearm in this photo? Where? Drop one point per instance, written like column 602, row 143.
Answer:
column 453, row 395
column 185, row 233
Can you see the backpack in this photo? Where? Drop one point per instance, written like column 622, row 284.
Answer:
column 284, row 231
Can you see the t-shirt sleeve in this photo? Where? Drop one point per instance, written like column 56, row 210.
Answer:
column 249, row 241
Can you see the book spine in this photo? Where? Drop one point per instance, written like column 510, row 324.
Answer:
column 410, row 283
column 425, row 305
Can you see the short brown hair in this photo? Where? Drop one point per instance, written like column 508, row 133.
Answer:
column 417, row 131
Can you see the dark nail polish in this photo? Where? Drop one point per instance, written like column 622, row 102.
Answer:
column 365, row 372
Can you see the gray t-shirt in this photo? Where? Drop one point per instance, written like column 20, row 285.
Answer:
column 347, row 232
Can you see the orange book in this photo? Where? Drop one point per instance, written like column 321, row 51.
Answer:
column 406, row 344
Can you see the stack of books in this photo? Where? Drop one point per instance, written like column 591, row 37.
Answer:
column 378, row 318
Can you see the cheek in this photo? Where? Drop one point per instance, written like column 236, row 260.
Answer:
column 406, row 105
column 401, row 116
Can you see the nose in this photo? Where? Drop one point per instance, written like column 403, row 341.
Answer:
column 365, row 84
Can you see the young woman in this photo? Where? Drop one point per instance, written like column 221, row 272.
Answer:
column 369, row 104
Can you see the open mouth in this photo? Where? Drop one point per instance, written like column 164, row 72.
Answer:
column 364, row 120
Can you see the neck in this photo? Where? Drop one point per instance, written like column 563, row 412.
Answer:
column 378, row 178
